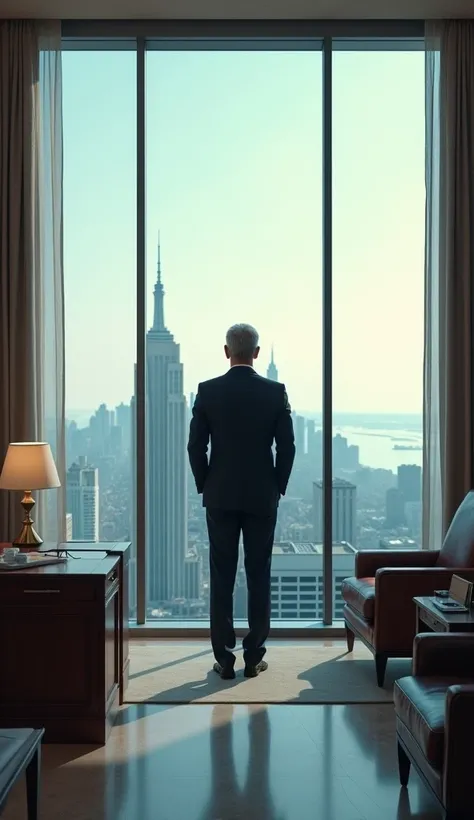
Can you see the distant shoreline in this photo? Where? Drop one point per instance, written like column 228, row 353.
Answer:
column 342, row 419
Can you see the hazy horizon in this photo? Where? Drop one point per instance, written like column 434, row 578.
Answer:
column 308, row 414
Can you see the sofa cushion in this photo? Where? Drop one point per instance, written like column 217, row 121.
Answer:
column 420, row 704
column 458, row 546
column 359, row 594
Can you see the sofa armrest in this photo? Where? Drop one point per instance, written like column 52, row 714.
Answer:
column 444, row 654
column 408, row 577
column 367, row 563
column 457, row 769
column 395, row 588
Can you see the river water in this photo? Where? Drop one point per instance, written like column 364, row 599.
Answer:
column 376, row 446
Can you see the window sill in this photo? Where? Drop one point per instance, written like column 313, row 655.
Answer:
column 200, row 629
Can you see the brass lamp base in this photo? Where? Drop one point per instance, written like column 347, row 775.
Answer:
column 28, row 539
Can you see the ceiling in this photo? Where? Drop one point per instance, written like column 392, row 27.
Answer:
column 237, row 9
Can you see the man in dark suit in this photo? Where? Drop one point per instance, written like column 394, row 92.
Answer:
column 242, row 414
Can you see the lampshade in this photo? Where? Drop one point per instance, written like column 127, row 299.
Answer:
column 29, row 465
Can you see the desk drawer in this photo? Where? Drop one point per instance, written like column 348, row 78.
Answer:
column 432, row 622
column 29, row 589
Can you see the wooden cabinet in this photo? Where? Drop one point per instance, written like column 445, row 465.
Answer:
column 60, row 645
column 122, row 549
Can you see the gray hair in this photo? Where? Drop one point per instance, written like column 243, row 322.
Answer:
column 242, row 341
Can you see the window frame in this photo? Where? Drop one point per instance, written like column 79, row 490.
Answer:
column 326, row 36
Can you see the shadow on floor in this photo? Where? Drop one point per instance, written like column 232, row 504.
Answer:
column 176, row 662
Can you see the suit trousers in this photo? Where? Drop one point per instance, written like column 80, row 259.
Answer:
column 225, row 527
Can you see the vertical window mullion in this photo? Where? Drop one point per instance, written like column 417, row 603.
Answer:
column 327, row 332
column 140, row 477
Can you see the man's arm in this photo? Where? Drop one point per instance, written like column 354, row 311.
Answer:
column 285, row 444
column 198, row 443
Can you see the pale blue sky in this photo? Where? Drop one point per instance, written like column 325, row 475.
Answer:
column 234, row 172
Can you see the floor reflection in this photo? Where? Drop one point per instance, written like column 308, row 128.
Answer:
column 233, row 762
column 405, row 812
column 227, row 797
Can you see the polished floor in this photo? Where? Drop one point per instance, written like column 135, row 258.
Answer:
column 227, row 762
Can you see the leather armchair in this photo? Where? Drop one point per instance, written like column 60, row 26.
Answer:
column 435, row 719
column 378, row 601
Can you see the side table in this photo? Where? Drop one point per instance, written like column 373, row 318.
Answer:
column 430, row 619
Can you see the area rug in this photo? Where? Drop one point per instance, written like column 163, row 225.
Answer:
column 175, row 672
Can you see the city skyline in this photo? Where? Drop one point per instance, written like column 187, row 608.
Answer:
column 372, row 508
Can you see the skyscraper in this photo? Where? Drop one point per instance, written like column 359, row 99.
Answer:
column 166, row 459
column 82, row 501
column 190, row 406
column 343, row 511
column 409, row 482
column 123, row 419
column 90, row 504
column 272, row 371
column 394, row 508
column 100, row 425
column 345, row 456
column 315, row 448
column 299, row 424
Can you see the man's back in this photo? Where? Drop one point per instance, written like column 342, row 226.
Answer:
column 242, row 414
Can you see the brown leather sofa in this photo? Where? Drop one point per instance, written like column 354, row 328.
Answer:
column 378, row 602
column 435, row 720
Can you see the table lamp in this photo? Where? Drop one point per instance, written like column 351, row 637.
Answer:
column 28, row 464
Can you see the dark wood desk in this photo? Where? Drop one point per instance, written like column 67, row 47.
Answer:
column 123, row 550
column 430, row 619
column 60, row 648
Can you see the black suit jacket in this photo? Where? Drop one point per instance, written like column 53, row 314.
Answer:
column 242, row 414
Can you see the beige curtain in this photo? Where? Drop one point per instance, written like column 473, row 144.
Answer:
column 31, row 280
column 448, row 468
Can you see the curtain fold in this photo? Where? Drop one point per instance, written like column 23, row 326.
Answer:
column 31, row 264
column 448, row 458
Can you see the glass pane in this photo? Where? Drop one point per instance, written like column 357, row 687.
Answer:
column 234, row 191
column 378, row 155
column 99, row 91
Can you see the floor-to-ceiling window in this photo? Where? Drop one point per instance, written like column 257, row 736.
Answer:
column 99, row 91
column 234, row 170
column 378, row 246
column 230, row 170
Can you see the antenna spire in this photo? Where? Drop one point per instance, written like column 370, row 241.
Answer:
column 159, row 261
column 158, row 313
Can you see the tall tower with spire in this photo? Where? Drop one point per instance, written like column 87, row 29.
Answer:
column 272, row 372
column 166, row 458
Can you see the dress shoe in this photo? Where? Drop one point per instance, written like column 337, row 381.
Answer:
column 253, row 670
column 226, row 672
